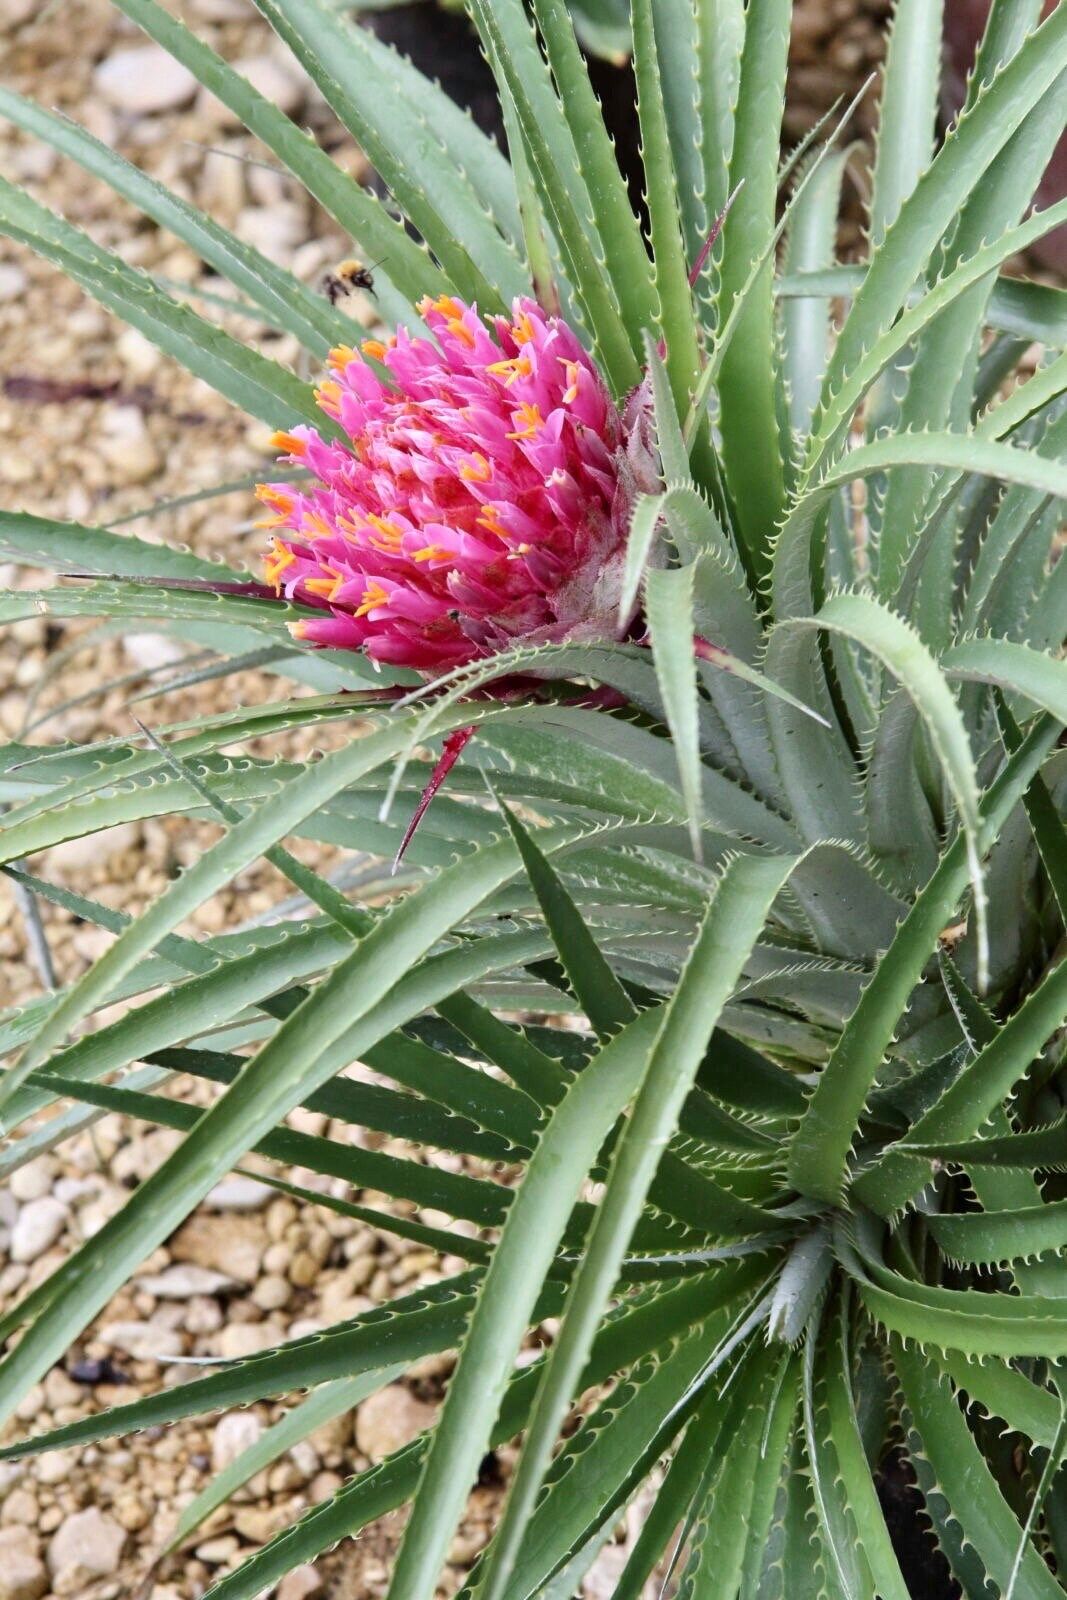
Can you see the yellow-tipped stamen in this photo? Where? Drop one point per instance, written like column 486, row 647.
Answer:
column 476, row 470
column 327, row 587
column 280, row 558
column 460, row 331
column 288, row 443
column 522, row 329
column 532, row 421
column 431, row 552
column 316, row 526
column 374, row 348
column 280, row 499
column 448, row 306
column 389, row 533
column 341, row 355
column 328, row 393
column 515, row 367
column 373, row 597
column 490, row 519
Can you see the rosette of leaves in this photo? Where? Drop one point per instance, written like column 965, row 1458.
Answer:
column 789, row 1174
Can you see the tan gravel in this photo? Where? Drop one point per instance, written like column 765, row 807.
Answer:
column 96, row 425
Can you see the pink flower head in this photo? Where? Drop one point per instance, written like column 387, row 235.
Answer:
column 480, row 498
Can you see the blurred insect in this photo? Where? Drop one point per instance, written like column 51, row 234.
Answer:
column 346, row 278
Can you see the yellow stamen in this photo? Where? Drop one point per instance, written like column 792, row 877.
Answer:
column 277, row 498
column 341, row 355
column 522, row 329
column 390, row 533
column 374, row 348
column 276, row 563
column 288, row 443
column 460, row 331
column 373, row 596
column 570, row 394
column 510, row 370
column 432, row 552
column 476, row 470
column 327, row 587
column 315, row 524
column 532, row 420
column 328, row 393
column 490, row 518
column 447, row 306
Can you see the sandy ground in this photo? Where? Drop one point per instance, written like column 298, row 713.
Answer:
column 96, row 425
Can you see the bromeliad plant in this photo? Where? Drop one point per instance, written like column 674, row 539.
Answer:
column 740, row 565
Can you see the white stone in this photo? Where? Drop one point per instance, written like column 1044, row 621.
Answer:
column 152, row 650
column 239, row 1194
column 22, row 1575
column 87, row 1539
column 183, row 1281
column 277, row 230
column 222, row 10
column 13, row 282
column 234, row 1433
column 55, row 1466
column 73, row 1191
column 389, row 1420
column 38, row 1225
column 240, row 1339
column 303, row 1583
column 35, row 1179
column 75, row 855
column 18, row 1537
column 278, row 83
column 143, row 79
column 217, row 1552
column 127, row 446
column 13, row 13
column 138, row 355
column 144, row 1341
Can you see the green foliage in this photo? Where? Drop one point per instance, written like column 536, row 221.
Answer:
column 790, row 894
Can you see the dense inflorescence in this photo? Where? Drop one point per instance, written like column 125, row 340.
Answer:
column 480, row 493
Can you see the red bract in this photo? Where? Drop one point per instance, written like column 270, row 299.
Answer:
column 480, row 497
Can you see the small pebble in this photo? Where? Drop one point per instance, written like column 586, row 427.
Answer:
column 22, row 1576
column 34, row 1180
column 38, row 1225
column 144, row 1341
column 144, row 79
column 390, row 1419
column 13, row 281
column 217, row 1552
column 239, row 1194
column 234, row 1433
column 303, row 1583
column 183, row 1281
column 20, row 1507
column 127, row 446
column 78, row 855
column 270, row 1293
column 274, row 79
column 88, row 1539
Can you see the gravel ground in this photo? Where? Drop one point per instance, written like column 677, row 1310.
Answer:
column 97, row 425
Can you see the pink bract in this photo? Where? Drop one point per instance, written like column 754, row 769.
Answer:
column 480, row 498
